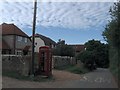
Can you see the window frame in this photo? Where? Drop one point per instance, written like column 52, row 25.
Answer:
column 19, row 38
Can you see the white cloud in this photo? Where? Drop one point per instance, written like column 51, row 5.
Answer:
column 79, row 15
column 61, row 0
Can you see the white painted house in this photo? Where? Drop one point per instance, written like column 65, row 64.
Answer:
column 41, row 40
column 38, row 43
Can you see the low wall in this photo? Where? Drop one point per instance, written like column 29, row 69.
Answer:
column 19, row 64
column 22, row 64
column 60, row 61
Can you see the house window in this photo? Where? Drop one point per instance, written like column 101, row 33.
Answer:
column 3, row 51
column 52, row 46
column 6, row 51
column 19, row 38
column 19, row 52
column 25, row 39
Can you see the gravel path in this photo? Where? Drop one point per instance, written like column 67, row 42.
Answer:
column 100, row 78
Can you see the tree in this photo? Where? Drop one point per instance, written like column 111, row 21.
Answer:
column 87, row 58
column 99, row 52
column 112, row 36
column 96, row 53
column 63, row 49
column 112, row 30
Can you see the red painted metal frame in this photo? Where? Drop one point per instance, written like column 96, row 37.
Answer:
column 47, row 60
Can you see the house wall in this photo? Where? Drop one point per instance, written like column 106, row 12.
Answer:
column 0, row 51
column 0, row 42
column 22, row 44
column 38, row 43
column 9, row 39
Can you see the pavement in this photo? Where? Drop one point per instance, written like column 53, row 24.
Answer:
column 100, row 78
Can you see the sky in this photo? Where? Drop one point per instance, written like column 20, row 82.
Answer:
column 74, row 22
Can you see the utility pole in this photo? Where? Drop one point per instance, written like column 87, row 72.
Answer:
column 33, row 35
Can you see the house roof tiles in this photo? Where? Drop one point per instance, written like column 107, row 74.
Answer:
column 11, row 29
column 47, row 40
column 78, row 47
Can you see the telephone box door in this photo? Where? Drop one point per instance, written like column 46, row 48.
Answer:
column 45, row 60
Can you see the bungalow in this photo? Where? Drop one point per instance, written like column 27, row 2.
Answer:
column 41, row 40
column 14, row 40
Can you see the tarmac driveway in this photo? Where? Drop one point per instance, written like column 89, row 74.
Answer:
column 100, row 78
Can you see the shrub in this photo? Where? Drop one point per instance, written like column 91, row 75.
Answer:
column 87, row 58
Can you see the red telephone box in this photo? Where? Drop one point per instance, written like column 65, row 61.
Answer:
column 45, row 60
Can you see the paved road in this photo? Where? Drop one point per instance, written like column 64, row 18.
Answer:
column 100, row 78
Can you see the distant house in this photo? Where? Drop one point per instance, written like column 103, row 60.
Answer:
column 41, row 40
column 14, row 40
column 78, row 48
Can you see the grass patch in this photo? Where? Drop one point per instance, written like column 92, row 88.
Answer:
column 28, row 78
column 74, row 69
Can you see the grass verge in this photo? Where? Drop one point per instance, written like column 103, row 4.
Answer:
column 74, row 69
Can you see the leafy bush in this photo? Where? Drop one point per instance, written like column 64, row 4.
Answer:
column 96, row 54
column 63, row 50
column 112, row 36
column 87, row 58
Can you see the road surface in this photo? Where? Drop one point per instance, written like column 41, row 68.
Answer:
column 100, row 78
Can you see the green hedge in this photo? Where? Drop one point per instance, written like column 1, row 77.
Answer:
column 114, row 57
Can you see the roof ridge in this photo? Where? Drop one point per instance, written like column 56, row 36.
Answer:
column 76, row 44
column 46, row 39
column 7, row 23
column 42, row 35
